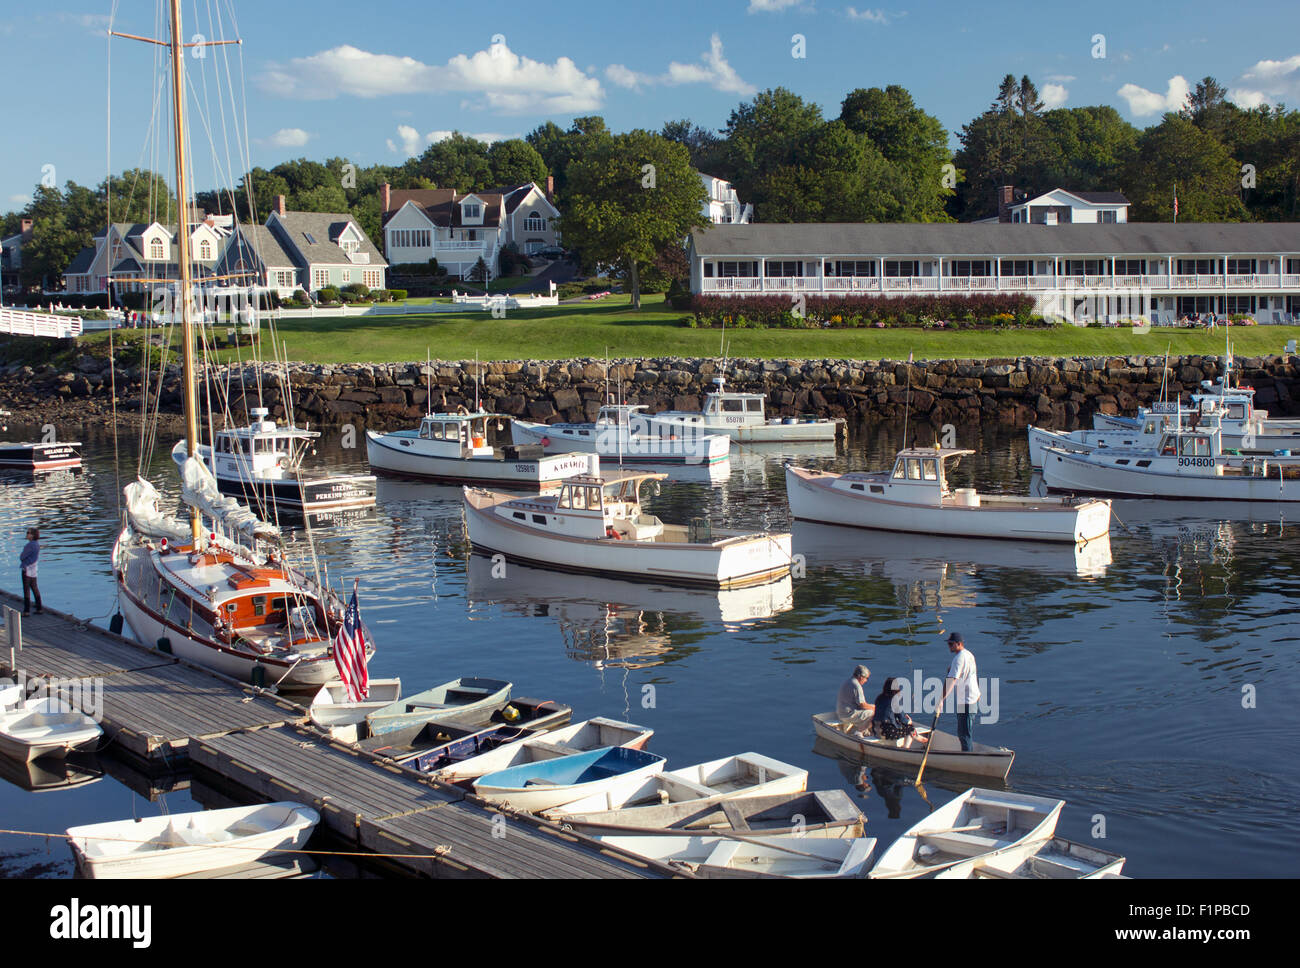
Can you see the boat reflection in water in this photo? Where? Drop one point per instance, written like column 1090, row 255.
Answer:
column 614, row 623
column 866, row 776
column 930, row 558
column 51, row 773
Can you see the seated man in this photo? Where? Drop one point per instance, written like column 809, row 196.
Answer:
column 890, row 722
column 851, row 704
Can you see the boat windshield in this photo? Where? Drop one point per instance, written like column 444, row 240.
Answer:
column 576, row 497
column 733, row 406
column 930, row 470
column 1194, row 446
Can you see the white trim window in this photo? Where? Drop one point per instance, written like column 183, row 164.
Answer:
column 782, row 269
column 471, row 210
column 968, row 267
column 1016, row 267
column 534, row 223
column 733, row 270
column 1198, row 267
column 320, row 278
column 205, row 250
column 1130, row 267
column 902, row 267
column 156, row 249
column 851, row 267
column 1241, row 267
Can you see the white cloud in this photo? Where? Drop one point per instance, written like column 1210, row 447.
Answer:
column 1061, row 78
column 712, row 69
column 1268, row 82
column 1142, row 102
column 505, row 81
column 771, row 6
column 20, row 199
column 876, row 16
column 289, row 138
column 410, row 142
column 94, row 22
column 1054, row 95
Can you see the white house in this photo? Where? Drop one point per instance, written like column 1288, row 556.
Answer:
column 327, row 249
column 459, row 229
column 1124, row 269
column 137, row 255
column 722, row 207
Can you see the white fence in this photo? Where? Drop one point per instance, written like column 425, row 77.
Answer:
column 23, row 322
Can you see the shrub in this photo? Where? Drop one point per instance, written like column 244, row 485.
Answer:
column 396, row 295
column 679, row 295
column 834, row 312
column 301, row 298
column 327, row 294
column 358, row 289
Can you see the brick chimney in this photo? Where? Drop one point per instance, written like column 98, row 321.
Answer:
column 385, row 197
column 1005, row 198
column 279, row 204
column 26, row 229
column 550, row 188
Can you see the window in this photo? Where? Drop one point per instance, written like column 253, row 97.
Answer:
column 539, row 519
column 320, row 278
column 899, row 472
column 1130, row 267
column 472, row 211
column 1108, row 217
column 1241, row 304
column 205, row 250
column 732, row 406
column 1197, row 267
column 259, row 605
column 1292, row 266
column 783, row 268
column 156, row 249
column 534, row 223
column 930, row 470
column 729, row 270
column 894, row 267
column 1016, row 267
column 1084, row 267
column 1241, row 267
column 754, row 406
column 966, row 267
column 311, row 239
column 913, row 469
column 839, row 267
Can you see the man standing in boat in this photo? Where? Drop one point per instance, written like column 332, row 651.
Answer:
column 851, row 704
column 961, row 676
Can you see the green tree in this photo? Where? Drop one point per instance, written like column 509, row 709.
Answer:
column 322, row 198
column 558, row 147
column 515, row 162
column 628, row 197
column 763, row 135
column 1177, row 151
column 914, row 143
column 705, row 146
column 457, row 162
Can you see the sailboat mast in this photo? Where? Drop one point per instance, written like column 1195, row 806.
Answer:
column 183, row 252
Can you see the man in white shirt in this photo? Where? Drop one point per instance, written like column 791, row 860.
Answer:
column 962, row 678
column 851, row 704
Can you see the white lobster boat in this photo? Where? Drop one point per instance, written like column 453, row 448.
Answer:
column 977, row 824
column 455, row 447
column 1188, row 463
column 743, row 418
column 596, row 525
column 623, row 433
column 261, row 465
column 1244, row 428
column 742, row 775
column 915, row 497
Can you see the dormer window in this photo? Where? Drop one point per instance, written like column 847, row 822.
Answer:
column 205, row 250
column 472, row 210
column 156, row 249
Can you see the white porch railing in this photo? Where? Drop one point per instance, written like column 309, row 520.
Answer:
column 22, row 322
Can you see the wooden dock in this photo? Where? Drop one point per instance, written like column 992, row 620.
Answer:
column 163, row 713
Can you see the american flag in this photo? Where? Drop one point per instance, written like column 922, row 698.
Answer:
column 350, row 653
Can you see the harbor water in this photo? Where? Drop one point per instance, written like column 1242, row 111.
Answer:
column 1149, row 681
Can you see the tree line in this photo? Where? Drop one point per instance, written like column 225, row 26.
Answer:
column 883, row 158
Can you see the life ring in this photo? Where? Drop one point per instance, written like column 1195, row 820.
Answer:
column 546, row 441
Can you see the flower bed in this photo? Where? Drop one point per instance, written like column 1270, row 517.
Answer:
column 879, row 312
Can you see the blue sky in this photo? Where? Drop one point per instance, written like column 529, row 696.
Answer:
column 377, row 80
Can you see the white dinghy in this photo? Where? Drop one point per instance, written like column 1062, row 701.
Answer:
column 332, row 710
column 737, row 856
column 190, row 843
column 1055, row 859
column 583, row 737
column 914, row 497
column 46, row 727
column 977, row 824
column 946, row 753
column 597, row 525
column 743, row 775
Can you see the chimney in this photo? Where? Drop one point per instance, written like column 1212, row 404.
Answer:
column 26, row 229
column 1005, row 198
column 279, row 204
column 550, row 188
column 385, row 196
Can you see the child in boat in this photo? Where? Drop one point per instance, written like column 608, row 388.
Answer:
column 889, row 722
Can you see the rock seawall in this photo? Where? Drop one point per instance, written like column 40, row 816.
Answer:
column 1041, row 390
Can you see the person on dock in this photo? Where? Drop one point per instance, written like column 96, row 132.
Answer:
column 961, row 677
column 851, row 704
column 27, row 560
column 890, row 722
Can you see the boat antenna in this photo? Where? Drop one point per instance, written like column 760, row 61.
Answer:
column 476, row 373
column 907, row 409
column 428, row 382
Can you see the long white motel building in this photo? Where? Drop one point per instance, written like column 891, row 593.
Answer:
column 1081, row 271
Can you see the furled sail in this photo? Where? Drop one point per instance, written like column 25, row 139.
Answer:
column 144, row 511
column 199, row 490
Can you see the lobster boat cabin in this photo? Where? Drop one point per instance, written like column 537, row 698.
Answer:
column 624, row 433
column 458, row 447
column 743, row 418
column 260, row 464
column 596, row 524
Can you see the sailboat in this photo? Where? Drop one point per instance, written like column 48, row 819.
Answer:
column 222, row 597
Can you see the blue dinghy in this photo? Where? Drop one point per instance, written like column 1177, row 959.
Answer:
column 552, row 783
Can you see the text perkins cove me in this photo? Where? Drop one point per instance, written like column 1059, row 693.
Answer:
column 77, row 922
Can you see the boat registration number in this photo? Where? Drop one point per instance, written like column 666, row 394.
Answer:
column 1196, row 462
column 735, row 420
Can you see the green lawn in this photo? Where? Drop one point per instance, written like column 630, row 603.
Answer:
column 589, row 330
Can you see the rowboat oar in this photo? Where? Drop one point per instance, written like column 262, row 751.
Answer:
column 928, row 743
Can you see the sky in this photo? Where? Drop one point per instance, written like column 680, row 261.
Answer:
column 377, row 81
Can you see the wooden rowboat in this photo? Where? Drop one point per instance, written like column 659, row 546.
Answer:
column 1055, row 859
column 734, row 856
column 825, row 814
column 946, row 752
column 977, row 825
column 746, row 774
column 190, row 843
column 332, row 710
column 552, row 783
column 583, row 737
column 458, row 695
